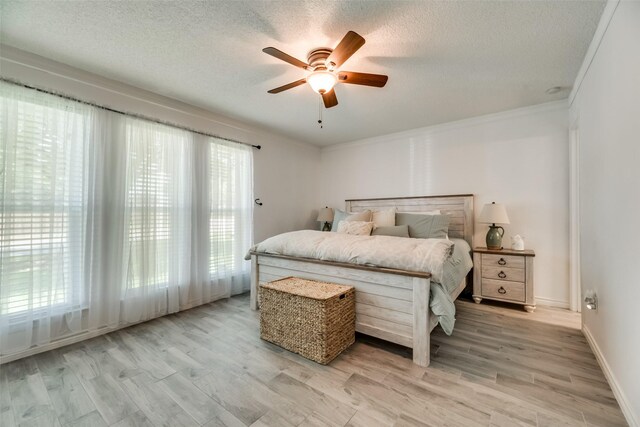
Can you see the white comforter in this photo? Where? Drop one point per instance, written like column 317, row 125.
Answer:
column 424, row 255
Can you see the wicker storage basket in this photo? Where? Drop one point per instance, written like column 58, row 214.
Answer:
column 317, row 320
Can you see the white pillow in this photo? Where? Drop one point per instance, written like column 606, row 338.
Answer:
column 340, row 216
column 385, row 218
column 357, row 228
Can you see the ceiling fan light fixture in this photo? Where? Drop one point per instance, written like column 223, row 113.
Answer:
column 322, row 81
column 324, row 64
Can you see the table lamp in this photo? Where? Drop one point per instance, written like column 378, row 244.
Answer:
column 494, row 213
column 326, row 215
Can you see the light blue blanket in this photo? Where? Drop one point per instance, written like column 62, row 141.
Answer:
column 455, row 269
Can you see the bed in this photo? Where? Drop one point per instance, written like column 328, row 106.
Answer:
column 391, row 304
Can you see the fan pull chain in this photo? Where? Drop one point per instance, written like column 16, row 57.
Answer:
column 320, row 111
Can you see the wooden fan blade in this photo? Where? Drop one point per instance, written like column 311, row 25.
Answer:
column 285, row 57
column 288, row 86
column 376, row 80
column 349, row 44
column 330, row 99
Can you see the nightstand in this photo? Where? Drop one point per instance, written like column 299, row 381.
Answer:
column 504, row 275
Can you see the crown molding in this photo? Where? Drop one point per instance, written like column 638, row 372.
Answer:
column 458, row 124
column 36, row 62
column 601, row 30
column 45, row 73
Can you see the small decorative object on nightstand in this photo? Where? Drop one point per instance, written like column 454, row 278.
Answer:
column 517, row 243
column 326, row 215
column 504, row 275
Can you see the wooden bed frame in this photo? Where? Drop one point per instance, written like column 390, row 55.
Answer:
column 390, row 304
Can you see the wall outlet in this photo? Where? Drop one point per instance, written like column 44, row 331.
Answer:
column 591, row 300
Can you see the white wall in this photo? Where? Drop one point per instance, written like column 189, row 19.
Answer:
column 519, row 158
column 285, row 177
column 606, row 109
column 285, row 171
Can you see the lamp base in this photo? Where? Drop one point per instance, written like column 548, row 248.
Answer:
column 327, row 226
column 494, row 237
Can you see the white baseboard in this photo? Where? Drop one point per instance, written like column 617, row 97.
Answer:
column 625, row 406
column 552, row 302
column 86, row 335
column 82, row 336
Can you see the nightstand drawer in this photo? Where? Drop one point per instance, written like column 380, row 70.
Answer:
column 501, row 289
column 491, row 260
column 503, row 273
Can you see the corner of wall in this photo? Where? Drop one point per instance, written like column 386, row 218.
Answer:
column 625, row 405
column 605, row 114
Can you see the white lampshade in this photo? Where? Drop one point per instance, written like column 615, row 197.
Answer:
column 493, row 213
column 325, row 215
column 322, row 81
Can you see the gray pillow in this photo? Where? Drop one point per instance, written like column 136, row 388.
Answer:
column 396, row 231
column 424, row 226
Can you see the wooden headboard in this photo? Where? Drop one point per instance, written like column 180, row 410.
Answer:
column 458, row 206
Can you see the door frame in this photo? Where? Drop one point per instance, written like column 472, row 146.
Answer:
column 575, row 291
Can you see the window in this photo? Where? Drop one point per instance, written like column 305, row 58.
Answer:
column 103, row 220
column 42, row 204
column 158, row 183
column 230, row 208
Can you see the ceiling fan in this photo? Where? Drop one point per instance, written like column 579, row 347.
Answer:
column 323, row 64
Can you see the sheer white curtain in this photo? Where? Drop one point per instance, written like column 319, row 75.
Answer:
column 43, row 207
column 230, row 208
column 108, row 220
column 157, row 216
column 222, row 194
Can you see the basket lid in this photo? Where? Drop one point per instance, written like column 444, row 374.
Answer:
column 307, row 288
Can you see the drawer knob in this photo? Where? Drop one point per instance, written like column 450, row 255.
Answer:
column 502, row 290
column 502, row 275
column 501, row 261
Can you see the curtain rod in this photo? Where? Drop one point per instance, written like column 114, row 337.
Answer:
column 135, row 115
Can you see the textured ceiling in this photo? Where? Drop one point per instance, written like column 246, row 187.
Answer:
column 446, row 60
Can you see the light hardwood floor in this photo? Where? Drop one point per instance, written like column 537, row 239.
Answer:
column 208, row 366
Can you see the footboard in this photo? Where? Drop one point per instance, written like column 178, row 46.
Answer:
column 390, row 304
